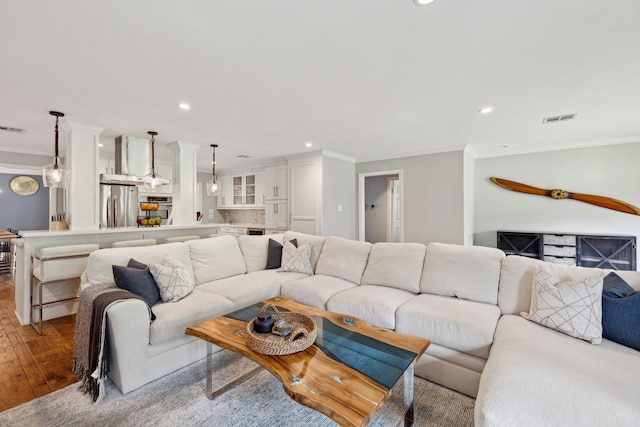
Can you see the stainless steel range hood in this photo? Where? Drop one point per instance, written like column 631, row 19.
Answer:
column 132, row 162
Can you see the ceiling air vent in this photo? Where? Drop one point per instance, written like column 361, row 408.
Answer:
column 556, row 119
column 243, row 156
column 10, row 129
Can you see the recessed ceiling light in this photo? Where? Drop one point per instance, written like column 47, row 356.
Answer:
column 422, row 2
column 184, row 106
column 486, row 110
column 100, row 144
column 308, row 144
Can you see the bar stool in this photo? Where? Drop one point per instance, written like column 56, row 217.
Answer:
column 180, row 239
column 55, row 265
column 130, row 243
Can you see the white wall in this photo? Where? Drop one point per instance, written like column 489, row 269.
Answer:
column 611, row 171
column 338, row 189
column 433, row 195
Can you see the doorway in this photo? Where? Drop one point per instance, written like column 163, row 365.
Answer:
column 380, row 206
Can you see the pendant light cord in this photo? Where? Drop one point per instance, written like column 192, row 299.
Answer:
column 55, row 159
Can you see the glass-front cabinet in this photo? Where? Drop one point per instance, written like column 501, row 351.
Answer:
column 244, row 188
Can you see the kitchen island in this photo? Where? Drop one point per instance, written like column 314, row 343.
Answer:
column 32, row 241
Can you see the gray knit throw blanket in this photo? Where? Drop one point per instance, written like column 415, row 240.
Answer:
column 90, row 348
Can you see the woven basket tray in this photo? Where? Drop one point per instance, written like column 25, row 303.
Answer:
column 301, row 337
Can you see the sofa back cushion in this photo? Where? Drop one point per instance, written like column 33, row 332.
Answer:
column 396, row 265
column 100, row 263
column 516, row 280
column 343, row 258
column 216, row 258
column 316, row 243
column 255, row 250
column 467, row 272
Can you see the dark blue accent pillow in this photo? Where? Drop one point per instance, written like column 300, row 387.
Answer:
column 274, row 253
column 620, row 312
column 138, row 281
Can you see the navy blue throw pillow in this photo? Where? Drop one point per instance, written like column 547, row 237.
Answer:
column 274, row 254
column 620, row 312
column 139, row 281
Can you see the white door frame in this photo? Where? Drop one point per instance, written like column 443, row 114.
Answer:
column 361, row 210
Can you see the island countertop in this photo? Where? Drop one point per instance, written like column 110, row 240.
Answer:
column 196, row 228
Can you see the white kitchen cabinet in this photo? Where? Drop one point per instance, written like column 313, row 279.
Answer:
column 277, row 180
column 261, row 186
column 250, row 190
column 245, row 187
column 275, row 214
column 225, row 191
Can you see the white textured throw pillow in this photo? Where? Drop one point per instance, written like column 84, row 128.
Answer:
column 173, row 279
column 297, row 260
column 572, row 307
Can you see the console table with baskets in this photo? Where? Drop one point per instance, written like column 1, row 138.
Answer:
column 616, row 252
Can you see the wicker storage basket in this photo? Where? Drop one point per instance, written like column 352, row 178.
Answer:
column 302, row 336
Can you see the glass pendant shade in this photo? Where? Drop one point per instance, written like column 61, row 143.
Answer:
column 55, row 175
column 212, row 186
column 152, row 180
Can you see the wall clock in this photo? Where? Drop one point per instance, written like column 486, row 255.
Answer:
column 24, row 185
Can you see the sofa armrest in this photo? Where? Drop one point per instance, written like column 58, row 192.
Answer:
column 128, row 335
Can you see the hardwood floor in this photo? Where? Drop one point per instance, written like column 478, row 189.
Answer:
column 32, row 365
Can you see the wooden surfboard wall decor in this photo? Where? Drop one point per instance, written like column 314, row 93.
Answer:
column 604, row 202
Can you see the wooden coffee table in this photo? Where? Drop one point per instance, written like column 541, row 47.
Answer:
column 347, row 374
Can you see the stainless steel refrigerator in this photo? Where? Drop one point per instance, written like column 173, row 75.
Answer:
column 119, row 205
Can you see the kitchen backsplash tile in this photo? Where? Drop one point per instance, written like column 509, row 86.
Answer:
column 243, row 216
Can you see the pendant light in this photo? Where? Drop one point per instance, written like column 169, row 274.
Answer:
column 55, row 175
column 212, row 186
column 152, row 180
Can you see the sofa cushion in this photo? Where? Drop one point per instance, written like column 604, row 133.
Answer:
column 99, row 264
column 216, row 258
column 539, row 377
column 573, row 307
column 374, row 304
column 468, row 272
column 316, row 290
column 172, row 319
column 516, row 279
column 173, row 279
column 397, row 265
column 620, row 311
column 342, row 258
column 316, row 243
column 255, row 250
column 461, row 325
column 249, row 288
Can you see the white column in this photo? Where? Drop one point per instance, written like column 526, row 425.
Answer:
column 83, row 160
column 184, row 182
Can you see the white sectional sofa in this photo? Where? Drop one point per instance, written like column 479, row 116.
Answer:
column 465, row 299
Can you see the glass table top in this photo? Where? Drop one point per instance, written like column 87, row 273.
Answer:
column 382, row 362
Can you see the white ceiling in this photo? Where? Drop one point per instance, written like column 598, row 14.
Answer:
column 369, row 79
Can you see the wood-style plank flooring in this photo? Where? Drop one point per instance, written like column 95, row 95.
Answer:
column 31, row 365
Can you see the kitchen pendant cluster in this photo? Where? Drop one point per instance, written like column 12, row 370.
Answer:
column 55, row 175
column 212, row 186
column 152, row 180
